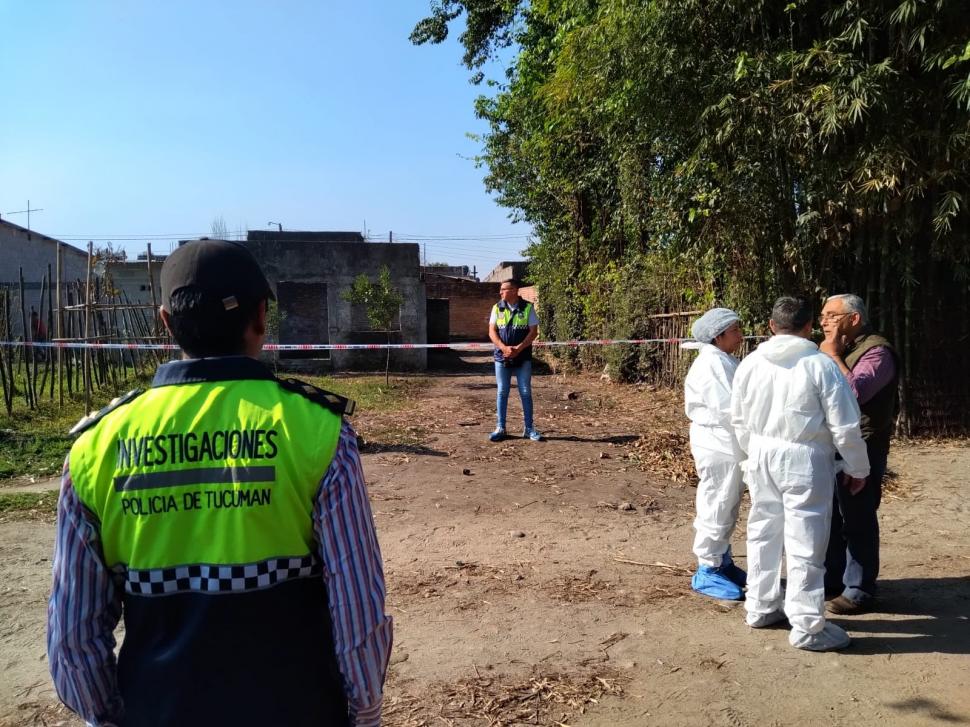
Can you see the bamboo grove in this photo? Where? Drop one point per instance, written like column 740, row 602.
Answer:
column 675, row 153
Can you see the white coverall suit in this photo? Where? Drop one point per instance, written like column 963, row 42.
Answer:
column 707, row 402
column 792, row 410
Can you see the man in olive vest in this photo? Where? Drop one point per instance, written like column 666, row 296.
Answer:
column 512, row 327
column 223, row 512
column 870, row 364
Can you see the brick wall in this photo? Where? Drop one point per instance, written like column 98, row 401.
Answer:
column 469, row 304
column 468, row 318
column 530, row 294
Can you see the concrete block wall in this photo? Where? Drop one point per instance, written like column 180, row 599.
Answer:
column 131, row 278
column 336, row 264
column 507, row 270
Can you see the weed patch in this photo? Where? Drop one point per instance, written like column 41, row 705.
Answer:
column 29, row 505
column 371, row 393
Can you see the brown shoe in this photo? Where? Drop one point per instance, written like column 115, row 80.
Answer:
column 843, row 606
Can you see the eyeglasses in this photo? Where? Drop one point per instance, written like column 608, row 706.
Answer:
column 831, row 317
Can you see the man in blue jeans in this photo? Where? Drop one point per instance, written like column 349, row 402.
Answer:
column 513, row 326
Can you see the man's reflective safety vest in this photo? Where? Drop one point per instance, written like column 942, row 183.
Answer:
column 512, row 323
column 204, row 487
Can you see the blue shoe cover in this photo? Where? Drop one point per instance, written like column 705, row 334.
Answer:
column 735, row 574
column 713, row 583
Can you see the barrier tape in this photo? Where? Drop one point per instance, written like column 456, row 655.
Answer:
column 353, row 346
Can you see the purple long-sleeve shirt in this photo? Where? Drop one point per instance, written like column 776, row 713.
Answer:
column 85, row 603
column 874, row 370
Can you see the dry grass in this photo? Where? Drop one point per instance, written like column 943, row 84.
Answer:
column 28, row 506
column 469, row 585
column 541, row 699
column 41, row 714
column 897, row 487
column 578, row 589
column 461, row 576
column 665, row 453
column 575, row 589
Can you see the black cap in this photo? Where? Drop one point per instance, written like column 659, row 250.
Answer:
column 222, row 270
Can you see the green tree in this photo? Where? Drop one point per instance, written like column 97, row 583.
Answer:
column 275, row 316
column 673, row 153
column 383, row 304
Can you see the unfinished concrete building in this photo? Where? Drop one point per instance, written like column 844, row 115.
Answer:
column 509, row 270
column 311, row 272
column 131, row 280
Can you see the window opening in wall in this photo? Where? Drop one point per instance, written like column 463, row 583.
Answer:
column 304, row 318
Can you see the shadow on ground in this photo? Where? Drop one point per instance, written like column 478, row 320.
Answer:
column 931, row 615
column 927, row 709
column 446, row 362
column 369, row 447
column 611, row 439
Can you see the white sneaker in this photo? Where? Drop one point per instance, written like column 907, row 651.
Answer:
column 762, row 620
column 830, row 638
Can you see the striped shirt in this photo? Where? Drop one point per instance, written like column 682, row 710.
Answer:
column 86, row 597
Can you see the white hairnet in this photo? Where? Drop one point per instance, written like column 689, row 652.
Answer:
column 712, row 324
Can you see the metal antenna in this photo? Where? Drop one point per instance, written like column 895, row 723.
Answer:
column 26, row 212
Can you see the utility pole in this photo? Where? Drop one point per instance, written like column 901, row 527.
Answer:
column 59, row 322
column 87, row 330
column 390, row 236
column 151, row 287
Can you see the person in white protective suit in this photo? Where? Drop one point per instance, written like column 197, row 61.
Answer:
column 717, row 458
column 792, row 411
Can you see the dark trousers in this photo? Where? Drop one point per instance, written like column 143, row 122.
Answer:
column 852, row 559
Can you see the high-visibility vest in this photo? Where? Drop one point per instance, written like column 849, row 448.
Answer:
column 512, row 323
column 175, row 476
column 205, row 493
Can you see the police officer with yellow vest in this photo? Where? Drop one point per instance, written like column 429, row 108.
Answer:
column 512, row 327
column 223, row 512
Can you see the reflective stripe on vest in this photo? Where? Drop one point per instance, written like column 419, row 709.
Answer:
column 213, row 482
column 505, row 318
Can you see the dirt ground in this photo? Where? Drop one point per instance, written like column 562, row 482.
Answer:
column 548, row 583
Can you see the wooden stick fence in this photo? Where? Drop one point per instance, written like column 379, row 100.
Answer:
column 89, row 310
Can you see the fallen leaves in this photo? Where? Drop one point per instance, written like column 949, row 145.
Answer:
column 665, row 453
column 540, row 699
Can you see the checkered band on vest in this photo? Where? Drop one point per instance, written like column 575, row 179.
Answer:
column 220, row 578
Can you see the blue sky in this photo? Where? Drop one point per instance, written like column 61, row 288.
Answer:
column 124, row 119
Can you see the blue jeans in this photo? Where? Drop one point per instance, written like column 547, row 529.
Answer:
column 523, row 380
